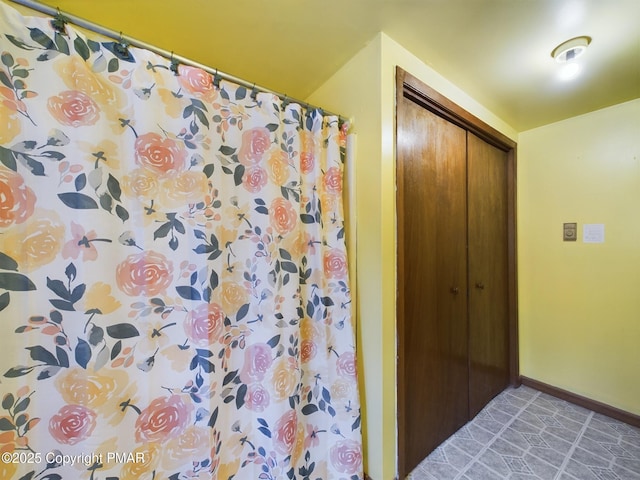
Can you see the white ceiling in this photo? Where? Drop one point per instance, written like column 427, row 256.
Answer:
column 498, row 51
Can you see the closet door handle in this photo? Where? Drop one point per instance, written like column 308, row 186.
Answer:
column 455, row 290
column 480, row 286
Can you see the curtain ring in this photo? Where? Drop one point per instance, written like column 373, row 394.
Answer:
column 122, row 46
column 59, row 22
column 216, row 80
column 174, row 65
column 254, row 93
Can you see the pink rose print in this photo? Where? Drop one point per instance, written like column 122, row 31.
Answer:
column 195, row 80
column 307, row 154
column 282, row 216
column 257, row 397
column 255, row 142
column 308, row 350
column 147, row 273
column 203, row 324
column 162, row 155
column 72, row 424
column 74, row 109
column 257, row 360
column 284, row 435
column 346, row 457
column 332, row 181
column 17, row 200
column 346, row 365
column 164, row 418
column 254, row 179
column 335, row 263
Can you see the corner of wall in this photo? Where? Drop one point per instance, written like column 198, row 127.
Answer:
column 578, row 302
column 354, row 90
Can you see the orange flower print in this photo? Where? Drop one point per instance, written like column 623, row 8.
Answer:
column 154, row 338
column 147, row 273
column 228, row 470
column 282, row 217
column 192, row 444
column 332, row 181
column 300, row 243
column 285, row 431
column 308, row 351
column 255, row 142
column 225, row 235
column 105, row 151
column 72, row 424
column 257, row 361
column 278, row 167
column 232, row 296
column 73, row 109
column 163, row 419
column 329, row 203
column 298, row 446
column 9, row 121
column 308, row 329
column 196, row 81
column 285, row 378
column 161, row 155
column 17, row 200
column 346, row 365
column 342, row 389
column 150, row 454
column 307, row 152
column 257, row 397
column 182, row 189
column 90, row 389
column 335, row 263
column 77, row 75
column 254, row 179
column 346, row 457
column 7, row 440
column 36, row 242
column 140, row 183
column 7, row 470
column 172, row 104
column 204, row 324
column 178, row 356
column 99, row 297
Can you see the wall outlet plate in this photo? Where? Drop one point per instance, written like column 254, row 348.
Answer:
column 570, row 232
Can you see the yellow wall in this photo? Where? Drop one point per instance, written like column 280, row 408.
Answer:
column 364, row 89
column 580, row 303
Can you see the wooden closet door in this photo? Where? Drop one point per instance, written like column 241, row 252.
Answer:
column 432, row 282
column 488, row 273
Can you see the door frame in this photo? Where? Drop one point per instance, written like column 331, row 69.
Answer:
column 410, row 87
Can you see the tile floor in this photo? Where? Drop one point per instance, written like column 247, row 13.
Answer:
column 525, row 434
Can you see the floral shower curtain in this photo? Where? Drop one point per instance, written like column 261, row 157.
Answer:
column 174, row 299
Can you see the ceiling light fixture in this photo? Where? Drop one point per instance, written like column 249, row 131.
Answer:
column 571, row 49
column 567, row 52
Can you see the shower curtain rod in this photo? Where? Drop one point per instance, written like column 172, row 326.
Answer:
column 118, row 36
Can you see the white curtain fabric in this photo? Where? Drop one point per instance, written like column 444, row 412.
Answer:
column 174, row 295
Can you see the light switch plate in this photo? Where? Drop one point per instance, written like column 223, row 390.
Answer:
column 570, row 232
